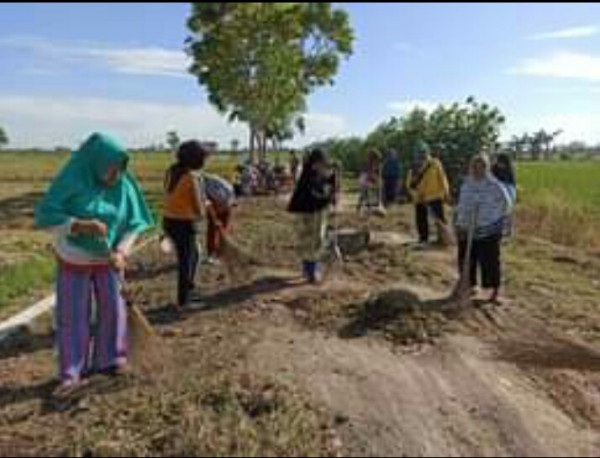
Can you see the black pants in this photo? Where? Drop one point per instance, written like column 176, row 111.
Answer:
column 485, row 255
column 390, row 190
column 422, row 216
column 183, row 235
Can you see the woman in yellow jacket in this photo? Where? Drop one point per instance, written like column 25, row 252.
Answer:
column 428, row 186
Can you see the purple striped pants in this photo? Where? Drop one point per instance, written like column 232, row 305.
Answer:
column 77, row 285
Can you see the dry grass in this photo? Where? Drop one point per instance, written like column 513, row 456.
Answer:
column 560, row 201
column 554, row 218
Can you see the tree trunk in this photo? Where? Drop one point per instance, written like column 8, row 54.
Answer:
column 262, row 145
column 253, row 151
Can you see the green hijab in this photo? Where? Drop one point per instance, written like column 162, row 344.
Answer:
column 79, row 191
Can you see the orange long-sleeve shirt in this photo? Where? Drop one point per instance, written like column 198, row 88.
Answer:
column 185, row 201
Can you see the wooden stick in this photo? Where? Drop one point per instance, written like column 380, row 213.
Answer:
column 463, row 287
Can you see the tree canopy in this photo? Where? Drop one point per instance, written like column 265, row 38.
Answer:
column 3, row 137
column 455, row 132
column 260, row 61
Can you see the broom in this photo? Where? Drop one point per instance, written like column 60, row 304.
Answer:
column 237, row 261
column 445, row 233
column 461, row 293
column 335, row 256
column 146, row 355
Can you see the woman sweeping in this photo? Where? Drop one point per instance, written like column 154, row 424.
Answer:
column 183, row 207
column 96, row 210
column 221, row 196
column 482, row 210
column 313, row 195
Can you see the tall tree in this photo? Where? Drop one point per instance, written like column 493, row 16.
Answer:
column 259, row 61
column 173, row 140
column 3, row 138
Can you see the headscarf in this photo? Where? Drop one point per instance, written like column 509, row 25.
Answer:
column 504, row 170
column 80, row 191
column 483, row 159
column 311, row 193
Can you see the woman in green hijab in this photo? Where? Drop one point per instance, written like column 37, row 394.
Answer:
column 96, row 210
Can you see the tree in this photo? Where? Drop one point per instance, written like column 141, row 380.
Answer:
column 3, row 138
column 173, row 140
column 456, row 132
column 260, row 61
column 235, row 144
column 516, row 145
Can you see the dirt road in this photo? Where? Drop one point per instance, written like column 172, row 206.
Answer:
column 367, row 364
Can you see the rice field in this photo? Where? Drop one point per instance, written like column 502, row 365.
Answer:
column 574, row 184
column 558, row 202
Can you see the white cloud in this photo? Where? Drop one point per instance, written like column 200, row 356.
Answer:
column 324, row 125
column 47, row 122
column 573, row 32
column 406, row 106
column 562, row 65
column 129, row 60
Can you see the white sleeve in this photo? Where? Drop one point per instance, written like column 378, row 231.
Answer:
column 63, row 230
column 126, row 244
column 504, row 196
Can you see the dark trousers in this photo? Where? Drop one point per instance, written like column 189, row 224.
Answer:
column 422, row 216
column 183, row 235
column 486, row 256
column 390, row 187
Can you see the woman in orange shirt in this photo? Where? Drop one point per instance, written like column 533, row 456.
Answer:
column 184, row 206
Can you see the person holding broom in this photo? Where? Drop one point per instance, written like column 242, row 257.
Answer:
column 481, row 215
column 428, row 186
column 184, row 206
column 221, row 196
column 96, row 210
column 313, row 195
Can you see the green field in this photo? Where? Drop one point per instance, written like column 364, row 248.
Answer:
column 558, row 201
column 575, row 184
column 26, row 262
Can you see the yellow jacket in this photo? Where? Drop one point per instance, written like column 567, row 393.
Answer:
column 433, row 185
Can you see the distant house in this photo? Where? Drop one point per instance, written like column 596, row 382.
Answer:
column 212, row 147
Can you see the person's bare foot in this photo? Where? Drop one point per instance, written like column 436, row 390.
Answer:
column 69, row 387
column 121, row 370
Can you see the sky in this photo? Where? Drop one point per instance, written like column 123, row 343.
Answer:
column 69, row 69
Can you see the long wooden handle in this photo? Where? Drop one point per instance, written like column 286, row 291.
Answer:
column 470, row 237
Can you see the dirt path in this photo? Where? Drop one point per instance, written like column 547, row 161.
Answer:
column 455, row 399
column 276, row 367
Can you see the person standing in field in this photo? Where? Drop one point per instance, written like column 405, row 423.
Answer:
column 184, row 206
column 96, row 210
column 483, row 206
column 313, row 195
column 428, row 186
column 391, row 177
column 504, row 171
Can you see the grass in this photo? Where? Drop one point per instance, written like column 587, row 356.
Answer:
column 23, row 278
column 560, row 201
column 26, row 265
column 577, row 183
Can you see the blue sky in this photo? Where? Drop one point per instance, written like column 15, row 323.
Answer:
column 66, row 69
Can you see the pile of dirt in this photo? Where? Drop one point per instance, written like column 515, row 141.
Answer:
column 400, row 316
